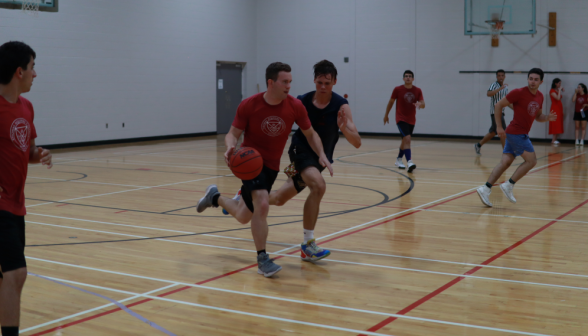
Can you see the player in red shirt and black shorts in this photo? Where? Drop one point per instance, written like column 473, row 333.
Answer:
column 17, row 150
column 410, row 98
column 528, row 106
column 267, row 119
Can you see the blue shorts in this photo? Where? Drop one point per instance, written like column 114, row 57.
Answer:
column 516, row 144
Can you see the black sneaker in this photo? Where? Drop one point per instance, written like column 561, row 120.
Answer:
column 477, row 148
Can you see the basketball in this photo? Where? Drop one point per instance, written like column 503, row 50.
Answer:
column 246, row 163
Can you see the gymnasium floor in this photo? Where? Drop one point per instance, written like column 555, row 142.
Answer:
column 412, row 254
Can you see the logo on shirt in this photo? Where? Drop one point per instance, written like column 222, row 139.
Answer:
column 533, row 108
column 409, row 97
column 273, row 126
column 20, row 134
column 581, row 100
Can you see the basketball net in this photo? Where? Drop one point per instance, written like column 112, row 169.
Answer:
column 495, row 28
column 31, row 7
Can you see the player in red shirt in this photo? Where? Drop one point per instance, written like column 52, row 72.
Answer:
column 17, row 150
column 267, row 119
column 410, row 98
column 528, row 106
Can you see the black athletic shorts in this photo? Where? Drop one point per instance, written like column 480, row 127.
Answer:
column 405, row 128
column 493, row 127
column 265, row 180
column 578, row 116
column 12, row 242
column 302, row 159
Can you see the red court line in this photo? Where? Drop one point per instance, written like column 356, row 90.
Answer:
column 251, row 266
column 62, row 204
column 121, row 211
column 472, row 271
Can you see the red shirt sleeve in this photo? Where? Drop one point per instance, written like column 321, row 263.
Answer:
column 242, row 117
column 513, row 96
column 394, row 94
column 420, row 95
column 33, row 129
column 301, row 115
column 542, row 99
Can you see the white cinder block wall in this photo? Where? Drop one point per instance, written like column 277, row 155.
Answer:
column 151, row 63
column 385, row 37
column 148, row 63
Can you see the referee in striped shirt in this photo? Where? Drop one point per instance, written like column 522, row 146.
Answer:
column 496, row 92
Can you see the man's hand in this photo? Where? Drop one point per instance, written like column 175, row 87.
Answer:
column 325, row 163
column 45, row 157
column 418, row 105
column 228, row 155
column 341, row 119
column 504, row 86
column 552, row 116
column 501, row 133
column 386, row 120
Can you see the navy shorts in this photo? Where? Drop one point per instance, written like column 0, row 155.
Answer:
column 12, row 242
column 516, row 144
column 302, row 159
column 405, row 128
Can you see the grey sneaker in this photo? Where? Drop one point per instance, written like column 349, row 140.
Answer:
column 506, row 188
column 477, row 148
column 206, row 201
column 484, row 193
column 266, row 266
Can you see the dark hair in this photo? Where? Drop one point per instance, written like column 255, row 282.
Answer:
column 408, row 72
column 536, row 71
column 554, row 83
column 14, row 55
column 272, row 71
column 324, row 68
column 500, row 71
column 583, row 87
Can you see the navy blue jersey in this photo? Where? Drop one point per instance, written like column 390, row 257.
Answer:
column 324, row 122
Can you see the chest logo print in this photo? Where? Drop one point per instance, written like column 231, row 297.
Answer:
column 20, row 134
column 273, row 126
column 409, row 97
column 533, row 108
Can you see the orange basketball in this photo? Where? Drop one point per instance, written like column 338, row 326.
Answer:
column 246, row 163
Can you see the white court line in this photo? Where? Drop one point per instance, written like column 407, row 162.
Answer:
column 124, row 191
column 95, row 309
column 347, row 251
column 81, row 181
column 329, row 260
column 291, row 300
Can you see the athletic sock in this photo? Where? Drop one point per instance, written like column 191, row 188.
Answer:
column 408, row 154
column 511, row 181
column 400, row 153
column 488, row 185
column 308, row 235
column 260, row 252
column 215, row 200
column 9, row 331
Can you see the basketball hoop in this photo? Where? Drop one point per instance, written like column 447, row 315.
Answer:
column 31, row 7
column 495, row 27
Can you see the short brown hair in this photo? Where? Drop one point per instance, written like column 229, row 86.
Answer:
column 272, row 71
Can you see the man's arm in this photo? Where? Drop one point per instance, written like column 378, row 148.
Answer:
column 420, row 104
column 347, row 126
column 317, row 146
column 388, row 108
column 498, row 116
column 540, row 117
column 40, row 155
column 492, row 93
column 231, row 142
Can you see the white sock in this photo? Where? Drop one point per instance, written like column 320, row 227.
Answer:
column 308, row 235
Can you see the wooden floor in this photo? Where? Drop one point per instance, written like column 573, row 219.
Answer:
column 412, row 254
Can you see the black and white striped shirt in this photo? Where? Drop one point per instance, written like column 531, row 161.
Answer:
column 497, row 97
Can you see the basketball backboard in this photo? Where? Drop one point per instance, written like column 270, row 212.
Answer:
column 518, row 16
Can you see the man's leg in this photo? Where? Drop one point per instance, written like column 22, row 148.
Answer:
column 10, row 293
column 235, row 208
column 259, row 230
column 487, row 138
column 485, row 190
column 316, row 183
column 530, row 162
column 284, row 194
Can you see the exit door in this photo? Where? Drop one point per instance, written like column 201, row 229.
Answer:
column 228, row 94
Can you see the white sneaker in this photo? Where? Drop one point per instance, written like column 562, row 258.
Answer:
column 411, row 166
column 577, row 142
column 399, row 163
column 506, row 188
column 555, row 142
column 582, row 142
column 484, row 193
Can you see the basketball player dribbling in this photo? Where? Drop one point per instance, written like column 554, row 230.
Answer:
column 17, row 151
column 267, row 119
column 410, row 98
column 328, row 113
column 528, row 106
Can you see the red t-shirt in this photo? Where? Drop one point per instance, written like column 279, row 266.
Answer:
column 267, row 126
column 580, row 101
column 16, row 132
column 405, row 99
column 526, row 105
